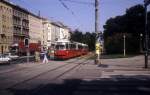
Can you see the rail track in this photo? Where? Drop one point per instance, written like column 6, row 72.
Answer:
column 23, row 68
column 76, row 63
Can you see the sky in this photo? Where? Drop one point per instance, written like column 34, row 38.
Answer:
column 78, row 15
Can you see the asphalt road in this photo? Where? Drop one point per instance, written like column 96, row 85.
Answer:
column 78, row 76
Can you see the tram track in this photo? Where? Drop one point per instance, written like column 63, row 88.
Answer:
column 45, row 72
column 23, row 68
column 18, row 69
column 35, row 91
column 78, row 58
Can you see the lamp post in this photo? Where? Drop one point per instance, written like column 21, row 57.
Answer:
column 146, row 3
column 141, row 35
column 124, row 46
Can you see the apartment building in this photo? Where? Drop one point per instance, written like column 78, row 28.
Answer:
column 55, row 30
column 35, row 29
column 17, row 23
column 20, row 24
column 6, row 28
column 60, row 31
column 64, row 32
column 46, row 34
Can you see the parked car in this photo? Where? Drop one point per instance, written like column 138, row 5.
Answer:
column 4, row 59
column 12, row 56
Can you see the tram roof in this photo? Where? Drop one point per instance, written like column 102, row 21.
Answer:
column 64, row 40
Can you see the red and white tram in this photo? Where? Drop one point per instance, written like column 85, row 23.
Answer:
column 65, row 49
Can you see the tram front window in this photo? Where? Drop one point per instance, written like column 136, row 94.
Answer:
column 60, row 47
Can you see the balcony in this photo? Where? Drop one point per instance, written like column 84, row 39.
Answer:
column 2, row 34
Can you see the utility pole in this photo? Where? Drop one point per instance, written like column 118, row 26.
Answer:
column 146, row 38
column 97, row 44
column 146, row 3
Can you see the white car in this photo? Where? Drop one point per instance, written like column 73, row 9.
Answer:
column 11, row 56
column 4, row 59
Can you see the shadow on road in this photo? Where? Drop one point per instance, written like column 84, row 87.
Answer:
column 117, row 85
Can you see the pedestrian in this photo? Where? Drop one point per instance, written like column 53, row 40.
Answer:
column 45, row 60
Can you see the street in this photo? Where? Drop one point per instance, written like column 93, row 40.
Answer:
column 78, row 76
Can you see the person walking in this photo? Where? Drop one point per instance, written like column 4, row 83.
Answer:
column 45, row 60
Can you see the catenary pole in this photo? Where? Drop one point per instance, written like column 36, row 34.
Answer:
column 96, row 31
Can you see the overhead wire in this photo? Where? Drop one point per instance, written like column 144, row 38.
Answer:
column 66, row 7
column 80, row 2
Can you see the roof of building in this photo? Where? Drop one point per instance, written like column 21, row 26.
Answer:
column 59, row 24
column 14, row 6
column 17, row 7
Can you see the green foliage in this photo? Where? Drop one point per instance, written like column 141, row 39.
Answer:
column 131, row 24
column 87, row 38
column 114, row 44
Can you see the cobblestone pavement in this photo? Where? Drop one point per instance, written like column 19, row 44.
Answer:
column 79, row 76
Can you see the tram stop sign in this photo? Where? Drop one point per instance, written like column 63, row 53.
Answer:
column 97, row 48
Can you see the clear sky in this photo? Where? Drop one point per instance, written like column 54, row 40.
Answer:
column 83, row 14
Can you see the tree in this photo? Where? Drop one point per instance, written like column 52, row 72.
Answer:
column 131, row 24
column 87, row 38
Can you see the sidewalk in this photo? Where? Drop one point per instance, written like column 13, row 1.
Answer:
column 111, row 68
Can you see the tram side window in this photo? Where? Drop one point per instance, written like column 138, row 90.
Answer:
column 67, row 46
column 60, row 47
column 72, row 46
column 80, row 46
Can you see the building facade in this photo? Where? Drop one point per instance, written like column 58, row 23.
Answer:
column 60, row 31
column 6, row 28
column 55, row 30
column 20, row 24
column 52, row 32
column 46, row 34
column 17, row 23
column 35, row 29
column 64, row 33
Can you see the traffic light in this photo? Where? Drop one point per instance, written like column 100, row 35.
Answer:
column 26, row 42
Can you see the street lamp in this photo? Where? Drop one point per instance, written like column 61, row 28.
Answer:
column 124, row 40
column 141, row 35
column 146, row 3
